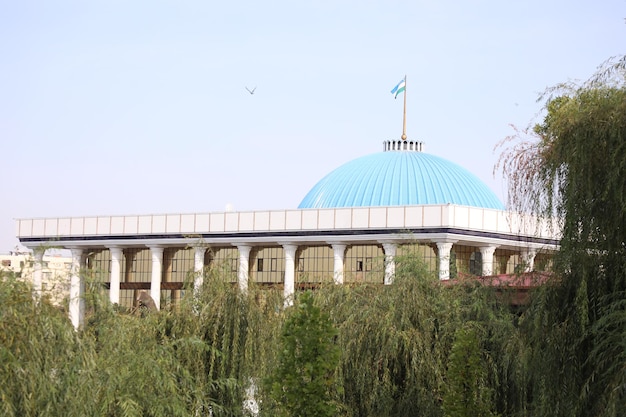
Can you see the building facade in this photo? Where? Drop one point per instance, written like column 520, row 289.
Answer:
column 350, row 228
column 52, row 271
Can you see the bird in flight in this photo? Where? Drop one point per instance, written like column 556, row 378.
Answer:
column 250, row 91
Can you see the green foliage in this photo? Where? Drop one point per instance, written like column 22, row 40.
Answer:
column 40, row 354
column 607, row 359
column 395, row 341
column 352, row 351
column 576, row 169
column 136, row 370
column 307, row 359
column 467, row 393
column 183, row 363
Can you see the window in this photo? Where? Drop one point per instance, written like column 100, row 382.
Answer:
column 259, row 264
column 359, row 265
column 6, row 262
column 233, row 265
column 273, row 264
column 476, row 263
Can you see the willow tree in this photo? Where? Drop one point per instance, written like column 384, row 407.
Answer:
column 196, row 360
column 396, row 340
column 572, row 167
column 466, row 394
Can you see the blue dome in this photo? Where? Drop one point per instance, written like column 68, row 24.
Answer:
column 400, row 178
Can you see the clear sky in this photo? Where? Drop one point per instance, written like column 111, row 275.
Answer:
column 140, row 107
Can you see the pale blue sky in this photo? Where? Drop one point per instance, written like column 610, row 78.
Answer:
column 140, row 107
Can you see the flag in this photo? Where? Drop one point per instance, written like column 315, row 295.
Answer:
column 399, row 88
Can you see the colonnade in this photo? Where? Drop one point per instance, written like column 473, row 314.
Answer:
column 77, row 285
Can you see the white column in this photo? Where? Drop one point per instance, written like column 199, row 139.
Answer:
column 244, row 267
column 486, row 254
column 290, row 273
column 339, row 251
column 77, row 289
column 116, row 262
column 38, row 253
column 390, row 262
column 528, row 256
column 443, row 250
column 198, row 268
column 157, row 273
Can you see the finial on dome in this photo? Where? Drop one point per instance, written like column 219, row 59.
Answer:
column 403, row 145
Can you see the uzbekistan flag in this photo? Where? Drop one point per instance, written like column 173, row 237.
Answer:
column 399, row 88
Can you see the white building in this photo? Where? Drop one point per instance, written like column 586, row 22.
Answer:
column 349, row 228
column 52, row 271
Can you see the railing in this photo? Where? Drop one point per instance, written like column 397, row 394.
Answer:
column 356, row 218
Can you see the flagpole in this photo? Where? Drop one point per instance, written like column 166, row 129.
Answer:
column 404, row 112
